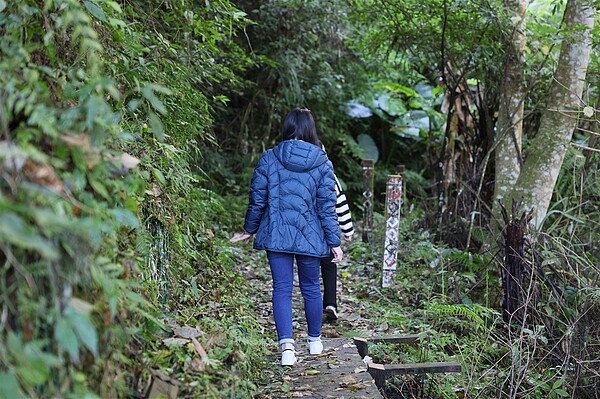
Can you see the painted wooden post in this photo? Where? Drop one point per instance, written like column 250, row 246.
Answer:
column 392, row 211
column 368, row 173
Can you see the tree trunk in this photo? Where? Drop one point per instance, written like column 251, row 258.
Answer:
column 508, row 159
column 513, row 306
column 545, row 155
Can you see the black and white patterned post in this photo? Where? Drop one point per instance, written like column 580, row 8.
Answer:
column 368, row 173
column 393, row 201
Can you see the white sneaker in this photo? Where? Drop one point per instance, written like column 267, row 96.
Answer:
column 330, row 313
column 288, row 357
column 315, row 347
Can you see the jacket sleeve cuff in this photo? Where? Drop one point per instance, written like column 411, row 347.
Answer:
column 249, row 230
column 335, row 243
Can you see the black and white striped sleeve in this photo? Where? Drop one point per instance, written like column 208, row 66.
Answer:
column 343, row 211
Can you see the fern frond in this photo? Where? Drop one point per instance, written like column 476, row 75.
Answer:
column 478, row 315
column 471, row 261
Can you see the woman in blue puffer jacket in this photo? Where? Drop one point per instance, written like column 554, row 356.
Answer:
column 291, row 210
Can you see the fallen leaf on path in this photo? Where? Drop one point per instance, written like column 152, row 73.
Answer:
column 77, row 140
column 330, row 333
column 199, row 349
column 187, row 332
column 197, row 365
column 42, row 174
column 128, row 161
column 175, row 341
column 353, row 317
column 305, row 387
column 347, row 380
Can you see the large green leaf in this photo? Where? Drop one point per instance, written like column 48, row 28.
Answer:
column 9, row 387
column 159, row 176
column 95, row 10
column 33, row 365
column 99, row 187
column 412, row 124
column 64, row 334
column 157, row 126
column 14, row 230
column 155, row 102
column 125, row 217
column 389, row 104
column 397, row 88
column 85, row 330
column 368, row 147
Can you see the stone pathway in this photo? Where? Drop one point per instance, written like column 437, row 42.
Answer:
column 337, row 373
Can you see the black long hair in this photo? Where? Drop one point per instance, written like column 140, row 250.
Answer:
column 300, row 125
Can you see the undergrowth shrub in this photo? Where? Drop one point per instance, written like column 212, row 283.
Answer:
column 453, row 298
column 104, row 113
column 68, row 206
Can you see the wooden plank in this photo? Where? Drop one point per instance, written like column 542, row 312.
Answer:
column 389, row 370
column 402, row 339
column 380, row 372
column 362, row 344
column 377, row 371
column 337, row 373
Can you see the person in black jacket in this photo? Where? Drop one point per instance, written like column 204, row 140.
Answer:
column 291, row 210
column 329, row 268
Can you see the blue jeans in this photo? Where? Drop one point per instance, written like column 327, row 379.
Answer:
column 282, row 270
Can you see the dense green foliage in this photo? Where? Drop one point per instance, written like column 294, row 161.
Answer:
column 105, row 109
column 301, row 61
column 66, row 212
column 128, row 134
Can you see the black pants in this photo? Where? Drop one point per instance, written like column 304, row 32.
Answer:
column 329, row 276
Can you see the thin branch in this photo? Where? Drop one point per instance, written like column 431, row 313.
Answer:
column 588, row 131
column 3, row 120
column 585, row 147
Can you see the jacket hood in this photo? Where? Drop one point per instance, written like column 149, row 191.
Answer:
column 299, row 156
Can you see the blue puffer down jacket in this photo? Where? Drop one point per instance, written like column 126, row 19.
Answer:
column 292, row 201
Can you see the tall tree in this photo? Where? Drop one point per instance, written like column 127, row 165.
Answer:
column 508, row 143
column 546, row 152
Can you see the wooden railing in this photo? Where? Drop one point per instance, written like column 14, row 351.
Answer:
column 381, row 372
